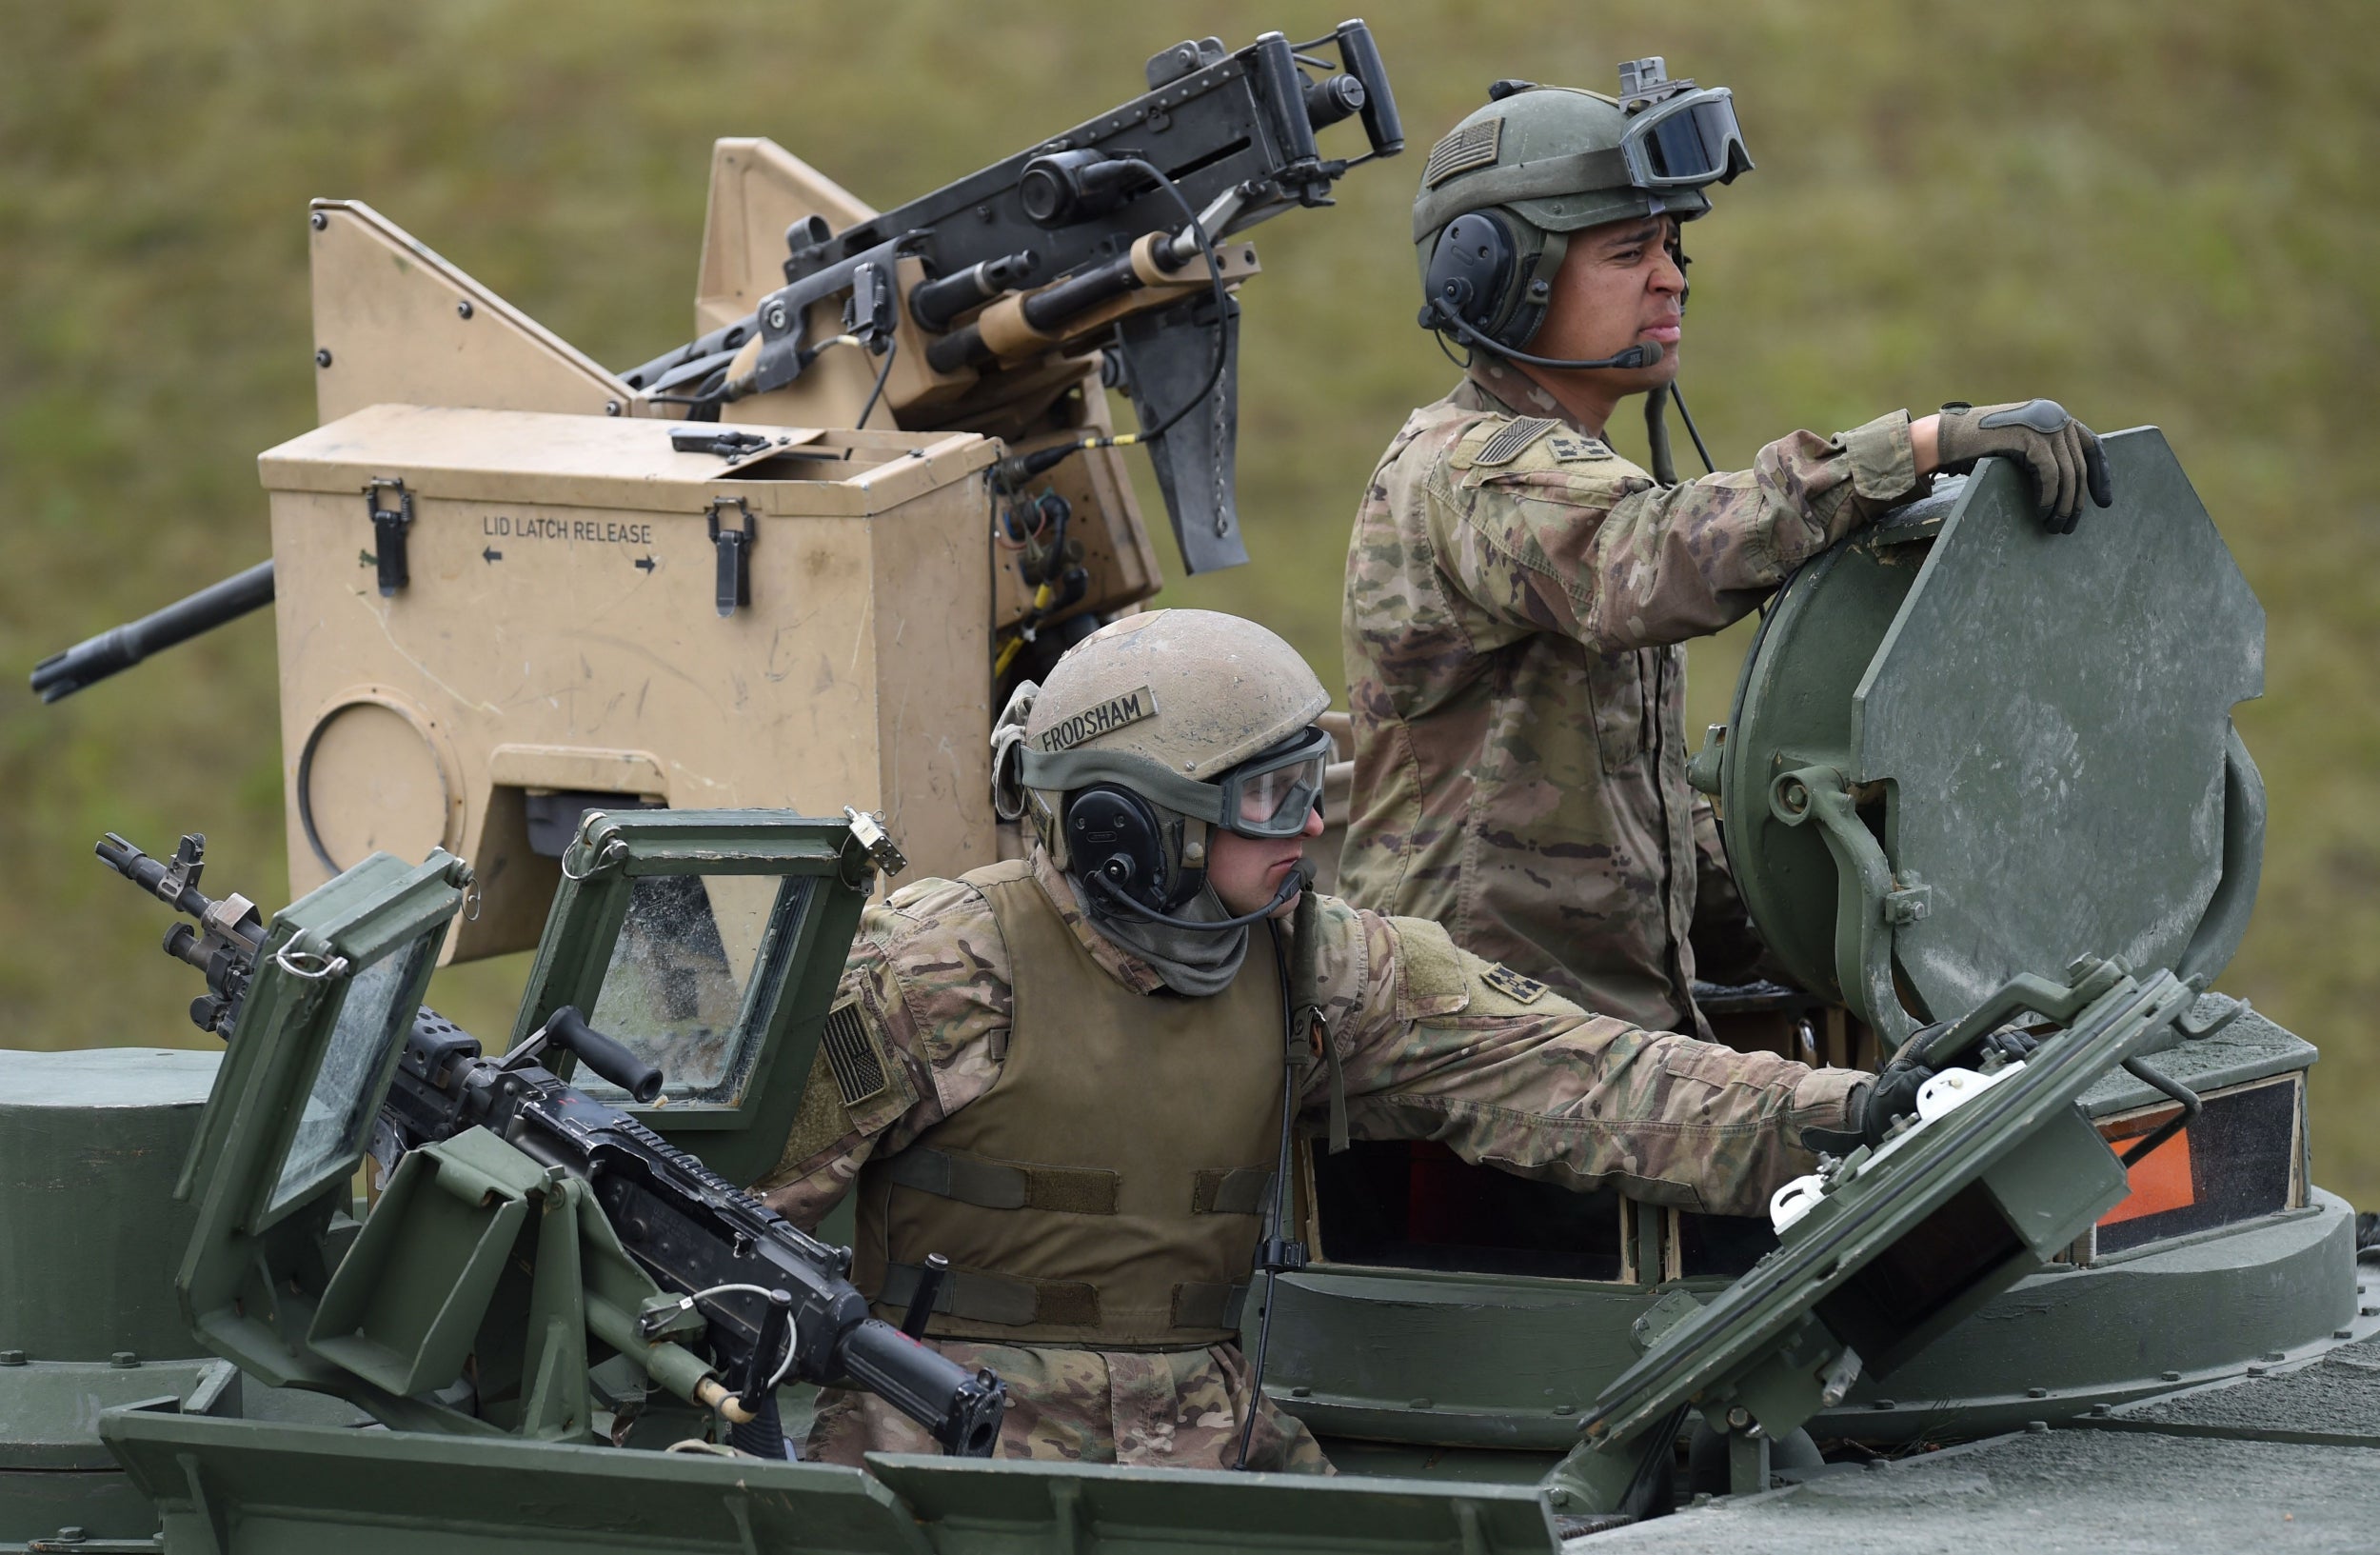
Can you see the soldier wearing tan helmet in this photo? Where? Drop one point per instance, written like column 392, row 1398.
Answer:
column 1078, row 1073
column 1518, row 594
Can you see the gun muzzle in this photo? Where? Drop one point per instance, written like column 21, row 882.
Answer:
column 120, row 648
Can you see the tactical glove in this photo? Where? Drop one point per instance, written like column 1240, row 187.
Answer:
column 1875, row 1107
column 2061, row 452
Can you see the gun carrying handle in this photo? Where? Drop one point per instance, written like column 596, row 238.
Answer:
column 568, row 1029
column 1361, row 57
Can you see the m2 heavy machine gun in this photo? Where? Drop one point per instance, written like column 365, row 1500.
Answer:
column 524, row 1228
column 878, row 486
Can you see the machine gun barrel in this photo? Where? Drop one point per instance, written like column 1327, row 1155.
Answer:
column 776, row 1302
column 120, row 648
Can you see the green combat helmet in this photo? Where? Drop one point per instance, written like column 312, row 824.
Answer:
column 1155, row 729
column 1539, row 162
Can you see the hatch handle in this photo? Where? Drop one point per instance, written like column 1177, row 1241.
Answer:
column 1869, row 901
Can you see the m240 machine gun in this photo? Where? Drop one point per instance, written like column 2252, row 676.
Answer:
column 425, row 1320
column 980, row 300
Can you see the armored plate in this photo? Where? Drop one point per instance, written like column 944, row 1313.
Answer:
column 2017, row 746
column 1901, row 1244
column 710, row 942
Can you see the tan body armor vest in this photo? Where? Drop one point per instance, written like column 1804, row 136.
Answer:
column 1108, row 1190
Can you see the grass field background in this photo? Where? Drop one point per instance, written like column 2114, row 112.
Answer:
column 2155, row 213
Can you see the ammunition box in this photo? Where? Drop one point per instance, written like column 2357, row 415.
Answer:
column 490, row 618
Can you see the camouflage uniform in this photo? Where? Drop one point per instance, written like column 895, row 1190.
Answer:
column 1516, row 595
column 1433, row 1044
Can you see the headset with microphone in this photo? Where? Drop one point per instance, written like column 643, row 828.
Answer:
column 1116, row 846
column 1481, row 285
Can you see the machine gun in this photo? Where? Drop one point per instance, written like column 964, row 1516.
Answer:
column 1111, row 231
column 774, row 1303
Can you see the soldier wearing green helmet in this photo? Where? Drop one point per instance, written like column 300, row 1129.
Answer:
column 1074, row 1077
column 1518, row 594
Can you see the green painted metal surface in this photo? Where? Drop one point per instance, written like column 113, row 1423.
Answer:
column 1965, row 750
column 1899, row 1245
column 235, row 1487
column 767, row 899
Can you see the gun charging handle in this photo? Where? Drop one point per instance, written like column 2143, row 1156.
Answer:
column 568, row 1029
column 929, row 1290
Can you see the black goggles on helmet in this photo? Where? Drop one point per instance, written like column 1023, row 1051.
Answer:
column 1271, row 793
column 1686, row 141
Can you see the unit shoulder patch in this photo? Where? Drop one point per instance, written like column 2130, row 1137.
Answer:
column 1508, row 441
column 1570, row 448
column 1091, row 723
column 1513, row 986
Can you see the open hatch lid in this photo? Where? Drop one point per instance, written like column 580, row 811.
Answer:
column 1965, row 750
column 1894, row 1247
column 338, row 978
column 710, row 942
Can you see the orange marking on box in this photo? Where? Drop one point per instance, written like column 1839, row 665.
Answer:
column 2161, row 1180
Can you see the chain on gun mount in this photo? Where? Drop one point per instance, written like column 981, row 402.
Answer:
column 776, row 1303
column 1091, row 235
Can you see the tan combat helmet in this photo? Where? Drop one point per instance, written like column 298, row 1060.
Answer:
column 1206, row 718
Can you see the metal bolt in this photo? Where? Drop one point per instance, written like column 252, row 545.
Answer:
column 2276, row 1355
column 1302, row 1392
column 321, row 357
column 1559, row 1496
column 124, row 1360
column 2036, row 1392
column 1421, row 1403
column 1565, row 1408
column 1879, row 1464
column 2036, row 1427
column 11, row 1358
column 2100, row 1411
column 1884, row 1404
column 2342, row 1333
column 71, row 1534
column 611, row 408
column 1738, row 1418
column 2256, row 1371
column 318, row 220
column 2368, row 1311
column 2173, row 1376
column 463, row 308
column 777, row 316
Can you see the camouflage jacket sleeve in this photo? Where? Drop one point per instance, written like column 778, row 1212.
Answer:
column 1563, row 536
column 1435, row 1042
column 929, row 983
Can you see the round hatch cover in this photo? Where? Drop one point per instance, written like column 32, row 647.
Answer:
column 2036, row 758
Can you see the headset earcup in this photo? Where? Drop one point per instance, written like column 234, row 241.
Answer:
column 1471, row 269
column 1111, row 831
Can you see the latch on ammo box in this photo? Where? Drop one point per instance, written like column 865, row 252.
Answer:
column 735, row 553
column 388, row 526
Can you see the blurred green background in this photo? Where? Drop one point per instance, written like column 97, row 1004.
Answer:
column 2156, row 214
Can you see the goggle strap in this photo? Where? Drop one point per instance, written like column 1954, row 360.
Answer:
column 1066, row 770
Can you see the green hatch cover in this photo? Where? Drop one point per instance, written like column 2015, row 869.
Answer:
column 339, row 976
column 1901, row 1243
column 1965, row 750
column 710, row 944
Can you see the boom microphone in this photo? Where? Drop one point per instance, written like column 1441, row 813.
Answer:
column 1644, row 354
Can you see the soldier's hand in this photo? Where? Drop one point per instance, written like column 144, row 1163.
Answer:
column 2061, row 453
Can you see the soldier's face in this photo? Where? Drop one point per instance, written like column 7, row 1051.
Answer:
column 1246, row 871
column 1619, row 286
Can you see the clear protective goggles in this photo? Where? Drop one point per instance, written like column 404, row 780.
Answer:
column 1687, row 141
column 1271, row 793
